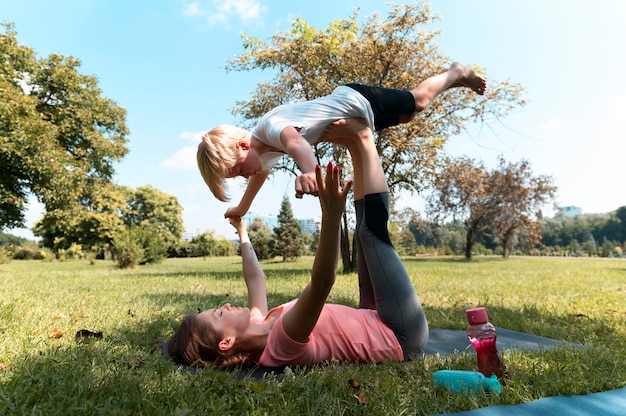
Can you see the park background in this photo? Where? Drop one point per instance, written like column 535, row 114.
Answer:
column 163, row 62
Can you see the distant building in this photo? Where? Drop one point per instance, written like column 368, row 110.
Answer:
column 572, row 211
column 308, row 225
column 270, row 220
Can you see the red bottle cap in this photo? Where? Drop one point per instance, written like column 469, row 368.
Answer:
column 476, row 316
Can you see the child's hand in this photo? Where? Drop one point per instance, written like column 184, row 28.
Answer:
column 306, row 184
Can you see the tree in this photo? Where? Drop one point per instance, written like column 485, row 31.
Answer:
column 397, row 52
column 289, row 241
column 104, row 211
column 621, row 217
column 503, row 202
column 92, row 223
column 261, row 239
column 521, row 196
column 461, row 192
column 58, row 134
column 152, row 208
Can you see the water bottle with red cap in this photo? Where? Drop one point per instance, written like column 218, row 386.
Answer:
column 482, row 334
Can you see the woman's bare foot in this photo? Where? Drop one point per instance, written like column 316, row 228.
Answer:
column 344, row 132
column 468, row 78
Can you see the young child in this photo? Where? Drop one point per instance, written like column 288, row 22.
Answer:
column 227, row 151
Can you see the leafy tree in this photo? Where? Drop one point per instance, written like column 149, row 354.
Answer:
column 104, row 210
column 502, row 201
column 261, row 239
column 461, row 192
column 584, row 228
column 58, row 134
column 620, row 213
column 7, row 239
column 401, row 230
column 396, row 52
column 92, row 223
column 152, row 208
column 289, row 240
column 521, row 195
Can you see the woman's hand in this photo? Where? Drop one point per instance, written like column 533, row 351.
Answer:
column 332, row 198
column 241, row 228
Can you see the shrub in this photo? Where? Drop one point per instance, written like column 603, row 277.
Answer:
column 23, row 253
column 139, row 245
column 6, row 254
column 129, row 251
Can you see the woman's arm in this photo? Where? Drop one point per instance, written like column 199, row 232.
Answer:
column 299, row 321
column 252, row 273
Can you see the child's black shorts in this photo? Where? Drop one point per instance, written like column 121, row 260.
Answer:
column 387, row 104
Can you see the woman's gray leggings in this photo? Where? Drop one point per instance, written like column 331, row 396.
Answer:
column 384, row 283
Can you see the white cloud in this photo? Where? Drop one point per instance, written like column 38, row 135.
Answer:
column 182, row 159
column 221, row 11
column 192, row 9
column 192, row 136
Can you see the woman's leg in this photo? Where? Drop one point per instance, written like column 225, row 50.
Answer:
column 349, row 135
column 394, row 295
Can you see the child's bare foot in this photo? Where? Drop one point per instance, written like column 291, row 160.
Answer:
column 345, row 131
column 468, row 78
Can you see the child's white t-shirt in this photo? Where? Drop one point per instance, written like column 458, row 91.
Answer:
column 311, row 118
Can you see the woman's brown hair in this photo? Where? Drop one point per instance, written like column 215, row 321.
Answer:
column 197, row 345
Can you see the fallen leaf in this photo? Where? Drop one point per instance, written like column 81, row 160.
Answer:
column 85, row 334
column 363, row 399
column 55, row 333
column 353, row 383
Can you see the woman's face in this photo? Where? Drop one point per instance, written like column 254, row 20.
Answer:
column 228, row 320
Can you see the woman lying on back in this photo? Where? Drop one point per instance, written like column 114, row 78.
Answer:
column 389, row 323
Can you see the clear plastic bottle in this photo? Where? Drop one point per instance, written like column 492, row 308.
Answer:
column 482, row 334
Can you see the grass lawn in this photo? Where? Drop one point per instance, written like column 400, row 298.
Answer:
column 44, row 370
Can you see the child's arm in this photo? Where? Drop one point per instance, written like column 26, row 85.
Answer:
column 255, row 183
column 252, row 272
column 301, row 151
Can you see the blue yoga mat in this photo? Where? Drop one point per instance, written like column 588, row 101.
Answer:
column 609, row 403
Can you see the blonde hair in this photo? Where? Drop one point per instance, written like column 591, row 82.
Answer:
column 217, row 152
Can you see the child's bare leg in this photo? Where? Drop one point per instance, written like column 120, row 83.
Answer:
column 458, row 75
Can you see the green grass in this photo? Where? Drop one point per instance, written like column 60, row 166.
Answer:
column 576, row 300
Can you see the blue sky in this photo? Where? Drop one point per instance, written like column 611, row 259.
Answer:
column 163, row 61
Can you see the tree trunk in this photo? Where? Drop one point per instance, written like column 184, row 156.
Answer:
column 346, row 259
column 505, row 248
column 469, row 242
